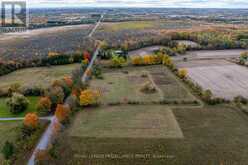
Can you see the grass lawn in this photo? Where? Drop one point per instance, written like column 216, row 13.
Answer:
column 39, row 76
column 118, row 86
column 8, row 131
column 4, row 111
column 211, row 135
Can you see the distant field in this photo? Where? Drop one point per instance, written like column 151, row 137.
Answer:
column 36, row 77
column 132, row 25
column 37, row 43
column 8, row 132
column 4, row 110
column 223, row 78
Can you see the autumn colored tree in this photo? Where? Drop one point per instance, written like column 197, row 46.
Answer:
column 137, row 60
column 17, row 103
column 31, row 120
column 87, row 55
column 62, row 112
column 68, row 81
column 89, row 97
column 167, row 60
column 182, row 73
column 44, row 105
column 117, row 62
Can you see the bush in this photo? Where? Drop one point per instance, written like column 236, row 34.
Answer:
column 240, row 99
column 44, row 106
column 89, row 97
column 182, row 73
column 8, row 150
column 117, row 62
column 17, row 103
column 148, row 87
column 31, row 120
column 62, row 112
column 56, row 95
column 167, row 60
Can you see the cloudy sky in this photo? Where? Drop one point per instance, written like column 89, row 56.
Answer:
column 142, row 3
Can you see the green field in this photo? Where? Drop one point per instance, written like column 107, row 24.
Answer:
column 211, row 135
column 170, row 85
column 4, row 111
column 119, row 86
column 8, row 132
column 125, row 84
column 148, row 121
column 36, row 77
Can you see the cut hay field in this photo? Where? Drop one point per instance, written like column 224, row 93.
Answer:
column 34, row 44
column 36, row 77
column 125, row 135
column 125, row 85
column 224, row 79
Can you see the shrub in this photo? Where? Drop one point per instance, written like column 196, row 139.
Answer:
column 44, row 106
column 117, row 62
column 182, row 73
column 14, row 88
column 240, row 99
column 17, row 103
column 167, row 60
column 62, row 112
column 207, row 96
column 137, row 60
column 148, row 87
column 56, row 95
column 97, row 72
column 8, row 150
column 89, row 97
column 31, row 120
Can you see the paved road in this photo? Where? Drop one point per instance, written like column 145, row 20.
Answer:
column 48, row 134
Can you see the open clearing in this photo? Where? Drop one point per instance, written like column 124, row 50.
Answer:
column 145, row 51
column 215, row 134
column 124, row 85
column 224, row 79
column 127, row 122
column 36, row 77
column 4, row 110
column 8, row 132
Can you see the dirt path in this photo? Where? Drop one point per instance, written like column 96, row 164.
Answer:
column 46, row 137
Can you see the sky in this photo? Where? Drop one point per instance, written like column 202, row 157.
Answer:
column 141, row 3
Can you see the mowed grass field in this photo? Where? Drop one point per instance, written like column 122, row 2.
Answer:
column 151, row 121
column 211, row 135
column 125, row 85
column 120, row 86
column 36, row 77
column 4, row 110
column 8, row 132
